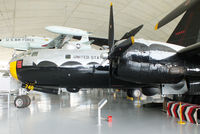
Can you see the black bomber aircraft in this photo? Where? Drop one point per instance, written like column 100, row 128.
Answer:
column 133, row 63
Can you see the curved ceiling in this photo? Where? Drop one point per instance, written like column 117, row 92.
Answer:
column 29, row 17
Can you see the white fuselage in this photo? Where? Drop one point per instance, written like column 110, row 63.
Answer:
column 25, row 43
column 62, row 56
column 84, row 57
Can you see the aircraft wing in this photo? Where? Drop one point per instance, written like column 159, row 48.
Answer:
column 190, row 51
column 57, row 42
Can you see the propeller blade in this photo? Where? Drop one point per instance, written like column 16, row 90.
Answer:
column 118, row 49
column 111, row 28
column 133, row 32
column 176, row 12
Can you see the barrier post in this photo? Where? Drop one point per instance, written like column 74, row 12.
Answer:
column 138, row 102
column 181, row 122
column 100, row 106
column 196, row 116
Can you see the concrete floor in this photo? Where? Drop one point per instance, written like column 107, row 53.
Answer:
column 77, row 113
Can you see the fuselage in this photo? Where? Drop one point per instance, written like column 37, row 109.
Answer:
column 65, row 68
column 25, row 43
column 144, row 64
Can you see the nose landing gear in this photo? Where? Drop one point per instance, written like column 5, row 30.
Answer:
column 22, row 101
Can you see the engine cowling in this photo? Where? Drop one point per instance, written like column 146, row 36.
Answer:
column 150, row 91
column 140, row 63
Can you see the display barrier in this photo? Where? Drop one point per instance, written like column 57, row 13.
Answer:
column 100, row 106
column 190, row 112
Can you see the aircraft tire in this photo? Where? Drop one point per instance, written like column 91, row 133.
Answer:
column 137, row 93
column 134, row 93
column 28, row 99
column 20, row 101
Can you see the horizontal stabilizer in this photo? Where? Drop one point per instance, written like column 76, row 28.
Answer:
column 190, row 50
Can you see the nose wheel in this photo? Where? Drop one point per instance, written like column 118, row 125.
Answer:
column 22, row 101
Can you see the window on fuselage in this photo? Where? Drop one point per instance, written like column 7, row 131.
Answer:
column 71, row 63
column 67, row 56
column 47, row 64
column 93, row 63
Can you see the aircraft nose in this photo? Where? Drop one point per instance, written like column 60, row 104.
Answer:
column 13, row 69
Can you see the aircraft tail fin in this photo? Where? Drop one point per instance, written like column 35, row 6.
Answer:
column 187, row 31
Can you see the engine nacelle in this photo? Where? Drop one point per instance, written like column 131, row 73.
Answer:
column 147, row 64
column 150, row 91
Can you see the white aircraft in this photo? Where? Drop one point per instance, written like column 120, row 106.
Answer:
column 82, row 44
column 25, row 43
column 64, row 39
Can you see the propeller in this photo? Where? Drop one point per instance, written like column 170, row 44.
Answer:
column 118, row 48
column 111, row 28
column 115, row 50
column 176, row 12
column 133, row 32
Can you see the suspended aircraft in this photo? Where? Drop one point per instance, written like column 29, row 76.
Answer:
column 67, row 43
column 25, row 43
column 64, row 39
column 133, row 63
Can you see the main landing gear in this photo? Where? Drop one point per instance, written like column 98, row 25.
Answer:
column 134, row 93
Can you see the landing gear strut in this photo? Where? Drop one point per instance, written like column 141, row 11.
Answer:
column 22, row 101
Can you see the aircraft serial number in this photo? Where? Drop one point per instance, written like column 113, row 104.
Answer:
column 85, row 57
